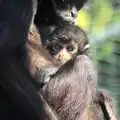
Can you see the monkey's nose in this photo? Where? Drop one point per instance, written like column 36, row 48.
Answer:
column 62, row 52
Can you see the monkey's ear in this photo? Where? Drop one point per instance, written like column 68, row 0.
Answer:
column 86, row 46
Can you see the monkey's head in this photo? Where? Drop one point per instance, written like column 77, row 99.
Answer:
column 58, row 11
column 67, row 9
column 66, row 42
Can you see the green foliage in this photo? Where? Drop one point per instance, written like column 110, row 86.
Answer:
column 116, row 16
column 83, row 19
column 101, row 21
column 95, row 19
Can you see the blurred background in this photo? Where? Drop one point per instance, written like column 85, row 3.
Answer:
column 101, row 21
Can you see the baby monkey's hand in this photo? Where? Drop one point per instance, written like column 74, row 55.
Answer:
column 44, row 74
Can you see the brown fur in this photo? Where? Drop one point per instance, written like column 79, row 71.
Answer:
column 39, row 54
column 71, row 90
column 72, row 93
column 38, row 57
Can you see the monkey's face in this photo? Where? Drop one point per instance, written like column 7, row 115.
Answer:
column 65, row 52
column 62, row 50
column 66, row 42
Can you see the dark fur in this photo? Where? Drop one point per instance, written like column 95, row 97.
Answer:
column 52, row 15
column 49, row 14
column 16, row 84
column 72, row 93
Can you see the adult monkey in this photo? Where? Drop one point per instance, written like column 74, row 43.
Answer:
column 56, row 12
column 11, row 65
column 15, row 82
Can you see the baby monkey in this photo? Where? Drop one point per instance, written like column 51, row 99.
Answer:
column 64, row 44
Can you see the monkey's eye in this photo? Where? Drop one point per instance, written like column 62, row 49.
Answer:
column 57, row 48
column 70, row 48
